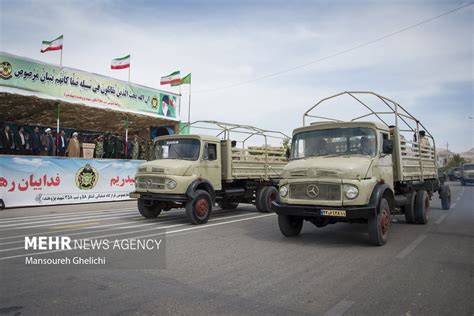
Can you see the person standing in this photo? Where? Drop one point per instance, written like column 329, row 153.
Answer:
column 35, row 141
column 99, row 147
column 20, row 141
column 62, row 144
column 143, row 150
column 135, row 147
column 110, row 146
column 119, row 149
column 74, row 148
column 6, row 140
column 48, row 143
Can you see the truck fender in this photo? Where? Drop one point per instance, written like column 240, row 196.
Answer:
column 202, row 184
column 379, row 191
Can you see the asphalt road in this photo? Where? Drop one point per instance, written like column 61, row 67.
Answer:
column 239, row 263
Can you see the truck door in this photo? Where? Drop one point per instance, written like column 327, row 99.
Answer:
column 385, row 161
column 211, row 164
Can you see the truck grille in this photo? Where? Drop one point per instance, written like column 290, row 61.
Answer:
column 150, row 182
column 315, row 191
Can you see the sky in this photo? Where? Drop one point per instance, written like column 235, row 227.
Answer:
column 231, row 46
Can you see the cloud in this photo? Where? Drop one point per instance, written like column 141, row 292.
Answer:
column 34, row 162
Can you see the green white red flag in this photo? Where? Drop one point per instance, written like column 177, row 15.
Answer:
column 172, row 78
column 121, row 63
column 55, row 44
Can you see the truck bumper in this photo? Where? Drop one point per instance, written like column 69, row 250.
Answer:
column 159, row 197
column 341, row 213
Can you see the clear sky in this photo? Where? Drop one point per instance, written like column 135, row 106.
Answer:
column 427, row 69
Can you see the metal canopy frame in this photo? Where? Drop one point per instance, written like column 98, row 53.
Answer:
column 398, row 111
column 225, row 130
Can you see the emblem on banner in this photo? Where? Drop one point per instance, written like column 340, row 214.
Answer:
column 6, row 70
column 154, row 102
column 86, row 177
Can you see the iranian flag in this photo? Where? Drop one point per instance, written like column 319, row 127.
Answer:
column 171, row 78
column 55, row 44
column 121, row 63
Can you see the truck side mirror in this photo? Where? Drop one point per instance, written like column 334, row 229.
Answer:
column 387, row 146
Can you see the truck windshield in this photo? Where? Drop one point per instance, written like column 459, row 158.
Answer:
column 468, row 167
column 331, row 142
column 185, row 149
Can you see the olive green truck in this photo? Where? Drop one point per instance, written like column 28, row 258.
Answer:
column 359, row 171
column 197, row 171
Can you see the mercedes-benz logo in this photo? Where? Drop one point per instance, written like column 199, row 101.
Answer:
column 149, row 182
column 312, row 191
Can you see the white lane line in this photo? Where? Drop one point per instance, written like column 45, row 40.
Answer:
column 75, row 222
column 27, row 217
column 202, row 227
column 340, row 308
column 442, row 217
column 405, row 252
column 119, row 228
column 71, row 220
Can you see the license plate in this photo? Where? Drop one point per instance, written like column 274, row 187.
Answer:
column 135, row 195
column 336, row 213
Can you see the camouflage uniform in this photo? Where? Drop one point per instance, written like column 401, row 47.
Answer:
column 99, row 148
column 143, row 155
column 135, row 149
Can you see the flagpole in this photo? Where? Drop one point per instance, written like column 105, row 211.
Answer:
column 129, row 66
column 61, row 58
column 126, row 136
column 189, row 106
column 57, row 130
column 179, row 103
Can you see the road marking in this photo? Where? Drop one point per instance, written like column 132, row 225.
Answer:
column 442, row 217
column 157, row 234
column 73, row 226
column 405, row 252
column 69, row 219
column 119, row 228
column 340, row 308
column 26, row 217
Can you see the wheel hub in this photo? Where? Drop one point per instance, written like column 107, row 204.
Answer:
column 384, row 221
column 202, row 207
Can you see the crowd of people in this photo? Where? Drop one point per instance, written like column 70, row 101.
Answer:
column 45, row 143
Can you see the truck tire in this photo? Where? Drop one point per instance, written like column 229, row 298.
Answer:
column 379, row 224
column 422, row 207
column 409, row 209
column 198, row 210
column 148, row 211
column 269, row 194
column 445, row 196
column 258, row 198
column 290, row 226
column 228, row 205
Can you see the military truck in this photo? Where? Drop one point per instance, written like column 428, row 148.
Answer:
column 359, row 171
column 467, row 173
column 196, row 171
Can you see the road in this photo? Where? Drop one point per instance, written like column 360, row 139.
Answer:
column 239, row 263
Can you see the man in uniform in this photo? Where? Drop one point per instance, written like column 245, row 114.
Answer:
column 135, row 147
column 99, row 147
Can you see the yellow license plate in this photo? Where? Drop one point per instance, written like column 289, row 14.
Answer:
column 336, row 213
column 134, row 195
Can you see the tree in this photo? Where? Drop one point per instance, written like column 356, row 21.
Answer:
column 456, row 161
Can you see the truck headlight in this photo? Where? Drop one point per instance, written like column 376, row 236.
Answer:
column 170, row 184
column 351, row 191
column 283, row 190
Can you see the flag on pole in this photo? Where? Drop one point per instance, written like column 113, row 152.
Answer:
column 184, row 80
column 55, row 44
column 121, row 63
column 172, row 78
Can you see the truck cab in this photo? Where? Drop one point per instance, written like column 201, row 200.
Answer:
column 467, row 173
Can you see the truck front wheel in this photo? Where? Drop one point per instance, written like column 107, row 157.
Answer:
column 148, row 211
column 199, row 208
column 379, row 224
column 422, row 207
column 290, row 226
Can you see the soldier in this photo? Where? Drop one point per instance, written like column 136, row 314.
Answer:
column 151, row 150
column 119, row 149
column 110, row 147
column 143, row 150
column 99, row 147
column 135, row 147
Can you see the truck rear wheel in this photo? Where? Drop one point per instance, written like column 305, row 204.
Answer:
column 269, row 194
column 445, row 195
column 199, row 208
column 258, row 198
column 290, row 226
column 148, row 211
column 422, row 207
column 409, row 209
column 379, row 224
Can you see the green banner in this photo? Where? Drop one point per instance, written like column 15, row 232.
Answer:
column 76, row 86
